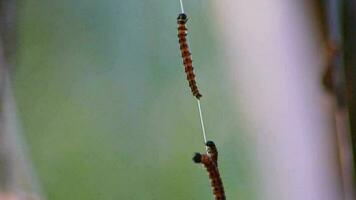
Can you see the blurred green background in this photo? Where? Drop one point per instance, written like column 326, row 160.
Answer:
column 105, row 107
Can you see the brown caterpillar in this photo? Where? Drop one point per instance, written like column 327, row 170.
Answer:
column 186, row 55
column 210, row 164
column 212, row 151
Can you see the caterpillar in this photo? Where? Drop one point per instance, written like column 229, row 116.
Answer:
column 211, row 166
column 212, row 151
column 186, row 55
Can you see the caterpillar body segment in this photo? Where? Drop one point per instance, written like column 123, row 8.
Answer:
column 186, row 55
column 213, row 152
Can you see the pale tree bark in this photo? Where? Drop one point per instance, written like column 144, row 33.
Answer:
column 275, row 52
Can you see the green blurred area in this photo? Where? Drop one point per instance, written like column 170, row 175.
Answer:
column 105, row 106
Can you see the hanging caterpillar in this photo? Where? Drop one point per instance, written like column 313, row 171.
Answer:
column 209, row 162
column 212, row 151
column 186, row 55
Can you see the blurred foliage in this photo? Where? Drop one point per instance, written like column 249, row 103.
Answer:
column 105, row 106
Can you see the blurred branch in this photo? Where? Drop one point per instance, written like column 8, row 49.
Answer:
column 16, row 180
column 8, row 27
column 6, row 38
column 334, row 80
column 349, row 24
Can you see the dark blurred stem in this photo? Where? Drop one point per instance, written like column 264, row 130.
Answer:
column 349, row 24
column 336, row 44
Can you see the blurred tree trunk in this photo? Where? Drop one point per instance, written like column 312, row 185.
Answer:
column 274, row 50
column 16, row 178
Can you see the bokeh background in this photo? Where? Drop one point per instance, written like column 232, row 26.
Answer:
column 103, row 110
column 105, row 107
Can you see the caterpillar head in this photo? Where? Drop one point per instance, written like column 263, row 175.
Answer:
column 197, row 158
column 182, row 18
column 210, row 144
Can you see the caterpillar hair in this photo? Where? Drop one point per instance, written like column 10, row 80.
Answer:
column 213, row 171
column 186, row 55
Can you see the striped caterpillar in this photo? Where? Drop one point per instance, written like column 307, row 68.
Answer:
column 186, row 55
column 210, row 163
